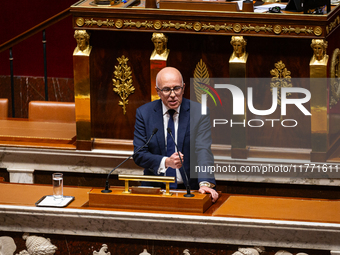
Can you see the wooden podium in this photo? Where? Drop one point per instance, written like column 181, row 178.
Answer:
column 160, row 202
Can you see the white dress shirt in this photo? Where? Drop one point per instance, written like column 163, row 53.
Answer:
column 166, row 117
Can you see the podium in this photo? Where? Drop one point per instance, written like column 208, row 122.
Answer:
column 160, row 202
column 149, row 198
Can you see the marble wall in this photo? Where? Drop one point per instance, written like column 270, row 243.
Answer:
column 28, row 89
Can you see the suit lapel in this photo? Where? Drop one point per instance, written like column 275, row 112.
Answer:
column 184, row 118
column 158, row 120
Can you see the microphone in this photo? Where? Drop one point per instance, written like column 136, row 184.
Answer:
column 186, row 176
column 107, row 185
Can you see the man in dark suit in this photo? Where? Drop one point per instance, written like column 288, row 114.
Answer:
column 190, row 129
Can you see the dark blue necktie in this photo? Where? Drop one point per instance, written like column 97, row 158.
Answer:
column 170, row 147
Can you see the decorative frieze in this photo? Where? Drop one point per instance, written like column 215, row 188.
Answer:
column 199, row 26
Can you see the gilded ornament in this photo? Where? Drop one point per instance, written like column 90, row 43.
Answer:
column 297, row 30
column 237, row 28
column 317, row 31
column 333, row 24
column 80, row 22
column 119, row 23
column 277, row 29
column 99, row 23
column 157, row 25
column 319, row 47
column 123, row 81
column 138, row 24
column 177, row 25
column 217, row 27
column 161, row 51
column 201, row 77
column 83, row 42
column 335, row 78
column 197, row 26
column 239, row 49
column 257, row 29
column 281, row 79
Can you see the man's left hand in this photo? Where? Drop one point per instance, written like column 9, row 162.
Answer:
column 205, row 190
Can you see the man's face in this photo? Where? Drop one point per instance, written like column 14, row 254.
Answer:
column 238, row 48
column 318, row 51
column 81, row 41
column 159, row 46
column 171, row 79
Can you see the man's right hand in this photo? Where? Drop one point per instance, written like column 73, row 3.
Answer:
column 174, row 160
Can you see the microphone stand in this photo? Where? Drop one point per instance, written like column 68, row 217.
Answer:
column 107, row 185
column 186, row 176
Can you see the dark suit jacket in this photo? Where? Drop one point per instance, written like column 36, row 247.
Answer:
column 194, row 140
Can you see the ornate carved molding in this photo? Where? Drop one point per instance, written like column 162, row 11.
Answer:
column 335, row 78
column 199, row 26
column 333, row 24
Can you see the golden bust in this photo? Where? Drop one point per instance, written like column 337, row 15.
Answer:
column 239, row 46
column 83, row 42
column 161, row 51
column 319, row 47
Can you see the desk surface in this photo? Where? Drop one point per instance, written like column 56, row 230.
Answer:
column 37, row 133
column 236, row 220
column 237, row 206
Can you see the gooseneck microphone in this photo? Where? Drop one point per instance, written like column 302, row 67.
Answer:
column 107, row 185
column 185, row 173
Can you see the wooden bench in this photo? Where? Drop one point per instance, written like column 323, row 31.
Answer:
column 3, row 108
column 51, row 111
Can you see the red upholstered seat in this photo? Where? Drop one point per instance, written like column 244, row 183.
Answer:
column 51, row 111
column 3, row 108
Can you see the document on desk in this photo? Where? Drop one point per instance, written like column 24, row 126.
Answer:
column 265, row 7
column 50, row 201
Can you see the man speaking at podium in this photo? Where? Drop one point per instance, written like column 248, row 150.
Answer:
column 171, row 117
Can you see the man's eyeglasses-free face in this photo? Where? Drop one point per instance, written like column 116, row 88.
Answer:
column 167, row 91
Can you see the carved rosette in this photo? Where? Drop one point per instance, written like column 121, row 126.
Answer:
column 281, row 79
column 123, row 82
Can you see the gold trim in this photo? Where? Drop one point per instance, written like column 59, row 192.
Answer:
column 333, row 24
column 281, row 79
column 123, row 81
column 119, row 23
column 177, row 25
column 92, row 22
column 150, row 178
column 157, row 25
column 198, row 26
column 80, row 22
column 218, row 27
column 237, row 28
column 138, row 24
column 317, row 31
column 297, row 30
column 277, row 29
column 335, row 78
